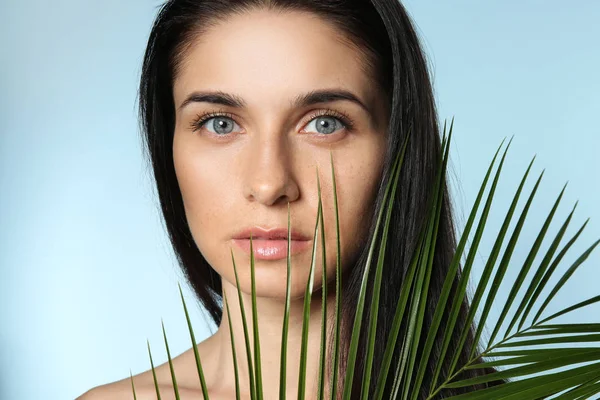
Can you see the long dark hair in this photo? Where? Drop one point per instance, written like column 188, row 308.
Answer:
column 384, row 32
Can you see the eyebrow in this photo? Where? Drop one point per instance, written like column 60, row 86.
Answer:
column 302, row 100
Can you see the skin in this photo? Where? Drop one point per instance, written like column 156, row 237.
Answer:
column 247, row 177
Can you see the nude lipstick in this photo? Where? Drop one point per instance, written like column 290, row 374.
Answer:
column 271, row 244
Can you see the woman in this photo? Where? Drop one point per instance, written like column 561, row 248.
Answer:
column 241, row 102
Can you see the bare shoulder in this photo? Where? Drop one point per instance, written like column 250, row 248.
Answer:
column 122, row 390
column 118, row 391
column 108, row 391
column 145, row 387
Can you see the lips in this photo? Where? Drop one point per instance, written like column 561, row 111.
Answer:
column 270, row 234
column 271, row 244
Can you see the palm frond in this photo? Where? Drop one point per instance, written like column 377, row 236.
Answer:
column 521, row 368
column 233, row 352
column 175, row 388
column 338, row 287
column 536, row 361
column 361, row 301
column 323, row 347
column 256, row 337
column 253, row 392
column 307, row 298
column 153, row 372
column 286, row 314
column 132, row 385
column 379, row 272
column 195, row 347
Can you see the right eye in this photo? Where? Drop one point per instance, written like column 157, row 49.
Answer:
column 217, row 124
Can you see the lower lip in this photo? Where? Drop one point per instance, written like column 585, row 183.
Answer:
column 265, row 249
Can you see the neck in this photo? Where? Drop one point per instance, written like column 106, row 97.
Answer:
column 270, row 312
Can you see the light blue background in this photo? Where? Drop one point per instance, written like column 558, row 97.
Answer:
column 86, row 270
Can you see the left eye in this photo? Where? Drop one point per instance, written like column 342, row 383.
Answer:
column 326, row 124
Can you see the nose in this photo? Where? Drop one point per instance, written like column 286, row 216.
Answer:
column 269, row 177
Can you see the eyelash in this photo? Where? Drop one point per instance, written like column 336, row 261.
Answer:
column 344, row 118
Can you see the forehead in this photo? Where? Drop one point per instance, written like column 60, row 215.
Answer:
column 268, row 57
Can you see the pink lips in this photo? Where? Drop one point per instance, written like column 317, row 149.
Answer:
column 271, row 244
column 271, row 249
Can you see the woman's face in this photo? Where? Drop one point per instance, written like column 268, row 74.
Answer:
column 264, row 137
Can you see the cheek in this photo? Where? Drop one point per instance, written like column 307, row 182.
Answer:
column 205, row 196
column 357, row 183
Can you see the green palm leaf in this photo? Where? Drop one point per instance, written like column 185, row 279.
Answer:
column 522, row 369
column 196, row 355
column 375, row 301
column 175, row 388
column 153, row 375
column 253, row 393
column 322, row 352
column 338, row 292
column 235, row 369
column 286, row 316
column 132, row 385
column 307, row 298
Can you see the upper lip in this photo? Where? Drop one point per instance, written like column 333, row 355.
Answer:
column 269, row 233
